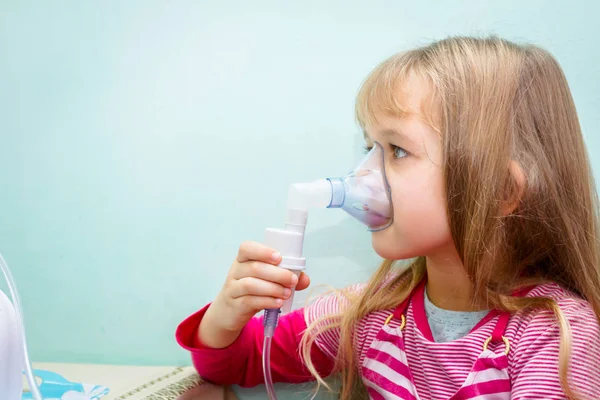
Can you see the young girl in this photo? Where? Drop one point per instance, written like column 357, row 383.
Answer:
column 494, row 203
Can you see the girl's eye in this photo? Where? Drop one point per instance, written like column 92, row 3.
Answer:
column 399, row 152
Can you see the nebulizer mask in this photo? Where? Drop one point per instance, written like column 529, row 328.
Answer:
column 364, row 194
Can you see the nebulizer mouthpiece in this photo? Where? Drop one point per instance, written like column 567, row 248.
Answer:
column 364, row 194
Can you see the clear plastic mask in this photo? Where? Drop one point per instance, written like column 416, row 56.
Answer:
column 365, row 193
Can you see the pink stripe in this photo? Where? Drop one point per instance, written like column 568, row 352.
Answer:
column 484, row 388
column 385, row 383
column 485, row 363
column 374, row 394
column 418, row 309
column 390, row 361
column 384, row 336
column 500, row 327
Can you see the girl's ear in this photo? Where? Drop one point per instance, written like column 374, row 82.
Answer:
column 515, row 189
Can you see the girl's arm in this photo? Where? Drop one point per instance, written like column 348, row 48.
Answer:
column 241, row 362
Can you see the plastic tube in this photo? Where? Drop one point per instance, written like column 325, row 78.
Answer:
column 35, row 392
column 270, row 321
column 267, row 368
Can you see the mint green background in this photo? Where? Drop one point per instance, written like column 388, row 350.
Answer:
column 142, row 141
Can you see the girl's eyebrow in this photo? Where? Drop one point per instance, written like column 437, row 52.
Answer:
column 394, row 132
column 390, row 132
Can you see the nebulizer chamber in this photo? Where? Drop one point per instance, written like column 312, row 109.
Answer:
column 364, row 194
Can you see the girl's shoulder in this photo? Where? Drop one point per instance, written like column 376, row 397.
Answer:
column 535, row 345
column 539, row 327
column 527, row 327
column 573, row 307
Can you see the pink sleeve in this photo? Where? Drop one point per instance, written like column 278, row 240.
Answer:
column 535, row 360
column 241, row 362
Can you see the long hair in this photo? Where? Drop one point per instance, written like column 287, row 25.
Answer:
column 496, row 103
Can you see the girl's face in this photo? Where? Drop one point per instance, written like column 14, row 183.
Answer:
column 413, row 162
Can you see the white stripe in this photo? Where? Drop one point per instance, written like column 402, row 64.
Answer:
column 389, row 349
column 490, row 374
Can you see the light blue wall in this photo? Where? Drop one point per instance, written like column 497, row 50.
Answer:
column 142, row 141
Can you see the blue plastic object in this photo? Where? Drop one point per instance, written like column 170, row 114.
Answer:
column 55, row 387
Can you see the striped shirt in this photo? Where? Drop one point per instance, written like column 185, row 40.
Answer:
column 440, row 369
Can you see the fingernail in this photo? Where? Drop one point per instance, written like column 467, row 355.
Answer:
column 286, row 293
column 276, row 256
column 294, row 280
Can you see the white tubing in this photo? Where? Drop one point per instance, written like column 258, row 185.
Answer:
column 35, row 392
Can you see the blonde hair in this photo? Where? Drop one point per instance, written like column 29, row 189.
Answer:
column 496, row 102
